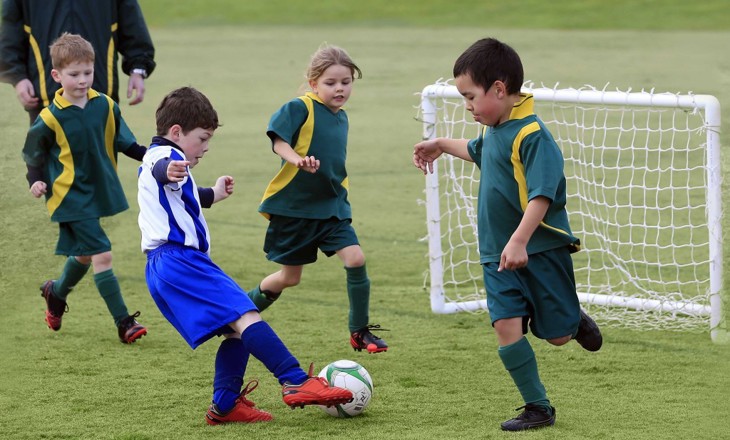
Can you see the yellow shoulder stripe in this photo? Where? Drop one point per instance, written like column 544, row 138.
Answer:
column 517, row 166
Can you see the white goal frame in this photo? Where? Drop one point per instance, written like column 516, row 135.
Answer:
column 712, row 311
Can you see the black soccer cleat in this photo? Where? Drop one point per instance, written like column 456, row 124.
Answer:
column 533, row 417
column 588, row 335
column 364, row 340
column 130, row 330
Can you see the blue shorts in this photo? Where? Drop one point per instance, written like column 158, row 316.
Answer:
column 294, row 241
column 543, row 293
column 193, row 293
column 82, row 238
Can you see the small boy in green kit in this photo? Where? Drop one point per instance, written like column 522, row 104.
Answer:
column 525, row 239
column 71, row 153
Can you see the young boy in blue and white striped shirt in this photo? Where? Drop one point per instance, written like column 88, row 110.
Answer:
column 191, row 291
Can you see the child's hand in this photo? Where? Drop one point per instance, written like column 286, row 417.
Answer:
column 424, row 153
column 223, row 188
column 38, row 188
column 308, row 164
column 177, row 170
column 514, row 256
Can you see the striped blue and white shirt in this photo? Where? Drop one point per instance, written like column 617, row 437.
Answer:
column 169, row 212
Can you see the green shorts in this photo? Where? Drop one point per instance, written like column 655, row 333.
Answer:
column 82, row 238
column 294, row 241
column 543, row 293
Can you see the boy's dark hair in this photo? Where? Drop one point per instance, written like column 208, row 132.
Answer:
column 188, row 108
column 489, row 60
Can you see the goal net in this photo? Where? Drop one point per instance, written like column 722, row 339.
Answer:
column 644, row 197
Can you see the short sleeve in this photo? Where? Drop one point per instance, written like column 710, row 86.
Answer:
column 543, row 164
column 287, row 121
column 474, row 148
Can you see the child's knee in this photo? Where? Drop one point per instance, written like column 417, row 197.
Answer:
column 102, row 260
column 242, row 323
column 290, row 278
column 85, row 260
column 352, row 256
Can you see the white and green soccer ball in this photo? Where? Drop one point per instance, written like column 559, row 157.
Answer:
column 354, row 377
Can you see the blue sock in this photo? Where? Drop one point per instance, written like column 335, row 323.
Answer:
column 230, row 366
column 261, row 341
column 519, row 360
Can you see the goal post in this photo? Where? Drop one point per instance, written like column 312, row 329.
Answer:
column 643, row 173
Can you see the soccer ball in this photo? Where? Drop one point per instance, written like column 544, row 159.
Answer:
column 354, row 377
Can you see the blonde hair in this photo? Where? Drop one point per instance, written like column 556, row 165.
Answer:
column 69, row 48
column 327, row 56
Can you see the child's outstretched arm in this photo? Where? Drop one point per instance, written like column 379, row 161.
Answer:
column 176, row 170
column 426, row 152
column 307, row 163
column 222, row 189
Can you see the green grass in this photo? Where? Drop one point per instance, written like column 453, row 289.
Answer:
column 442, row 378
column 517, row 14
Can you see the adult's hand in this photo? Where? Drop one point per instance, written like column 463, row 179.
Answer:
column 26, row 94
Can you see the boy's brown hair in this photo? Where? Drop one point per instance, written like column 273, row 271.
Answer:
column 188, row 108
column 69, row 48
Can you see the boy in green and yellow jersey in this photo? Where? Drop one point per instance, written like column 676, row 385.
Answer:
column 71, row 153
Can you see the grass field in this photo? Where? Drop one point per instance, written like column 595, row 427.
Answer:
column 442, row 377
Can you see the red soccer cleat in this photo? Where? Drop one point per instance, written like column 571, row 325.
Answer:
column 364, row 340
column 244, row 411
column 314, row 391
column 55, row 308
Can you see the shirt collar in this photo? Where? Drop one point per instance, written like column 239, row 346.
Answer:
column 524, row 107
column 314, row 97
column 63, row 103
column 161, row 140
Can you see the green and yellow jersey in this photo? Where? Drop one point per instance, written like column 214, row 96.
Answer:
column 519, row 160
column 77, row 150
column 312, row 129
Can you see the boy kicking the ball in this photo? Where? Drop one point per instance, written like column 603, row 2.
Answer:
column 525, row 240
column 191, row 291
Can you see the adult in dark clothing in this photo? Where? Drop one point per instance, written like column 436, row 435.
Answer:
column 114, row 28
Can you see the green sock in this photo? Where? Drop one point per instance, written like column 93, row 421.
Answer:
column 109, row 289
column 358, row 291
column 519, row 360
column 263, row 298
column 72, row 273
